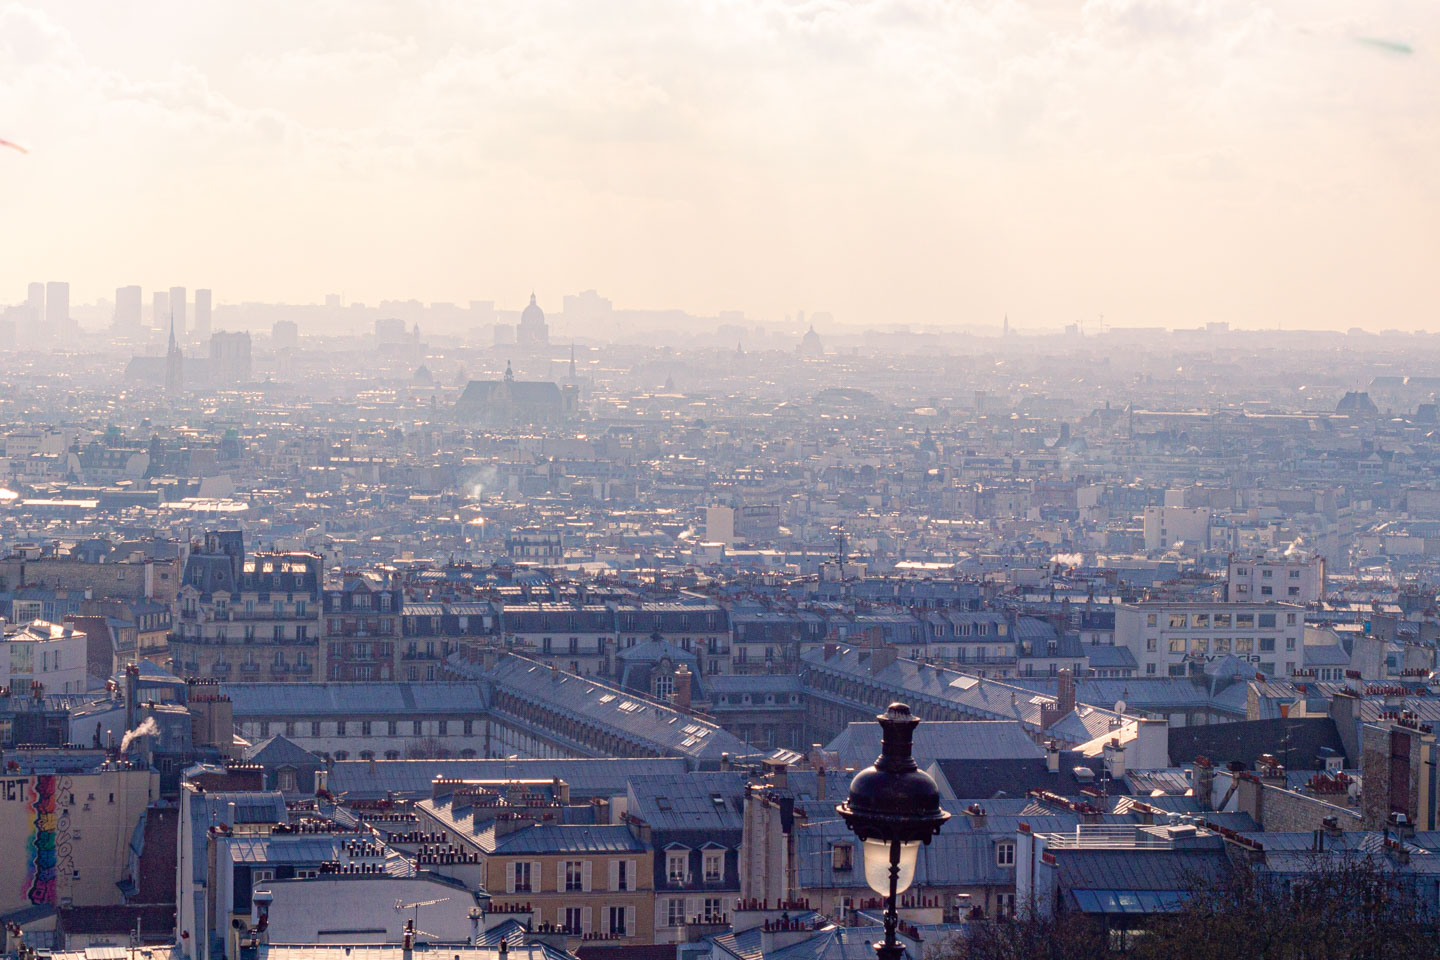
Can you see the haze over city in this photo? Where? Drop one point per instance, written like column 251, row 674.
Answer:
column 719, row 480
column 1160, row 163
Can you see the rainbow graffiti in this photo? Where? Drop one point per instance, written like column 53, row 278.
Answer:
column 40, row 882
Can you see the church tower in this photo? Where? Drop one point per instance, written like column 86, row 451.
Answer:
column 174, row 364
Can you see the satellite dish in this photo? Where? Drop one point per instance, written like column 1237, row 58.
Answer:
column 1119, row 706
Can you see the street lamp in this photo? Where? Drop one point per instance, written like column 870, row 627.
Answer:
column 893, row 807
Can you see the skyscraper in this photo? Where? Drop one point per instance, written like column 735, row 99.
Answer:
column 202, row 316
column 127, row 309
column 177, row 310
column 57, row 310
column 160, row 310
column 35, row 300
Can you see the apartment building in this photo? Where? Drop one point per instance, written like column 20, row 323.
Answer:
column 1262, row 579
column 589, row 881
column 248, row 618
column 50, row 654
column 362, row 628
column 1174, row 639
column 67, row 818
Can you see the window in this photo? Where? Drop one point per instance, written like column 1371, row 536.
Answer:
column 714, row 865
column 677, row 866
column 315, row 728
column 617, row 921
column 522, row 876
column 392, row 727
column 1177, row 669
column 1289, row 643
column 417, row 727
column 442, row 728
column 1289, row 619
column 285, row 780
column 674, row 912
column 1266, row 592
column 1244, row 620
column 262, row 874
column 574, row 875
column 1200, row 620
column 469, row 727
column 1267, row 644
column 339, row 728
column 1244, row 644
column 1177, row 644
column 1177, row 621
column 622, row 875
column 1200, row 645
column 1150, row 669
column 1152, row 620
column 842, row 858
column 1222, row 645
column 713, row 912
column 1266, row 574
column 364, row 728
column 1005, row 853
column 572, row 914
column 1267, row 620
column 1150, row 643
column 1221, row 620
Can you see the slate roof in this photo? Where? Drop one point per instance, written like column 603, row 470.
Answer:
column 280, row 701
column 859, row 743
column 981, row 779
column 594, row 777
column 698, row 801
column 1302, row 740
column 278, row 750
column 631, row 716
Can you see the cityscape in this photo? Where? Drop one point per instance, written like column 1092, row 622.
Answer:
column 565, row 619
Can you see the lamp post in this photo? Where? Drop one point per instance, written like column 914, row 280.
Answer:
column 893, row 807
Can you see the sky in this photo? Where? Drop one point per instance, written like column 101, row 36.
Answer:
column 1154, row 162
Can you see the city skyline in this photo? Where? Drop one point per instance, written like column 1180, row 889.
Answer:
column 1160, row 164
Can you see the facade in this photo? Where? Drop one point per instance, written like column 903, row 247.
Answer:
column 1166, row 526
column 127, row 309
column 229, row 358
column 66, row 821
column 1177, row 639
column 248, row 618
column 362, row 629
column 1266, row 579
column 535, row 544
column 50, row 654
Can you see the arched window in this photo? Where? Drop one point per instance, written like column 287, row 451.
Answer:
column 664, row 685
column 392, row 754
column 367, row 754
column 341, row 755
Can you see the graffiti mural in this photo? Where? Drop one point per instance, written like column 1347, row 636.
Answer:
column 40, row 881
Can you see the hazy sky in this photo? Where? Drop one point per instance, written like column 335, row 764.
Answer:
column 1155, row 161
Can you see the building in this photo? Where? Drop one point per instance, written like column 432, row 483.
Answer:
column 248, row 618
column 1292, row 579
column 177, row 303
column 229, row 358
column 590, row 881
column 532, row 330
column 1167, row 526
column 57, row 310
column 174, row 364
column 512, row 403
column 159, row 309
column 53, row 655
column 127, row 310
column 362, row 629
column 1176, row 639
column 67, row 818
column 536, row 544
column 202, row 316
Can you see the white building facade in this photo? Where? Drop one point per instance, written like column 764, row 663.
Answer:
column 1172, row 639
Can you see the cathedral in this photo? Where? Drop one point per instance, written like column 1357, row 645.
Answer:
column 515, row 403
column 533, row 331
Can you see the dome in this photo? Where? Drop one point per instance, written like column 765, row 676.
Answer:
column 533, row 313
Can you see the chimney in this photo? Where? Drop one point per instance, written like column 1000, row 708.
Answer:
column 1052, row 756
column 1065, row 697
column 820, row 785
column 261, row 899
column 474, row 924
column 777, row 770
column 1204, row 788
column 1115, row 759
column 831, row 648
column 882, row 654
column 407, row 942
column 132, row 697
column 682, row 689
